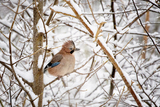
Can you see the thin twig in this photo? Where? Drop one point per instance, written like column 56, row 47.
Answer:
column 51, row 82
column 92, row 12
column 10, row 93
column 2, row 22
column 120, row 96
column 66, row 14
column 152, row 3
column 74, row 27
column 137, row 76
column 144, row 27
column 46, row 38
column 29, row 55
column 128, row 25
column 79, row 17
column 107, row 101
column 115, row 64
column 1, row 103
column 123, row 47
column 11, row 61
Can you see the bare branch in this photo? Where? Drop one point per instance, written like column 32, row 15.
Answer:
column 144, row 27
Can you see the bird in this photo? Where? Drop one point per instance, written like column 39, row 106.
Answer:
column 63, row 62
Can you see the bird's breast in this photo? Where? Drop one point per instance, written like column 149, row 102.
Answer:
column 70, row 63
column 66, row 66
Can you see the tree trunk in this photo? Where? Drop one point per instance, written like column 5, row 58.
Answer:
column 115, row 38
column 38, row 85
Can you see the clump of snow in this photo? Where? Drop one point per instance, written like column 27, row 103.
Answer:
column 76, row 7
column 26, row 75
column 101, row 39
column 40, row 61
column 63, row 10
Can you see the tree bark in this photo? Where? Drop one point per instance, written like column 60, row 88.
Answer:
column 38, row 84
column 115, row 38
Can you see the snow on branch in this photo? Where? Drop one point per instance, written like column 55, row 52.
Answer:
column 63, row 10
column 108, row 52
column 128, row 82
column 75, row 8
column 7, row 24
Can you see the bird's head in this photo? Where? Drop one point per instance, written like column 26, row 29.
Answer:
column 69, row 47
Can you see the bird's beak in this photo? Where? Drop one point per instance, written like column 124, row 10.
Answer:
column 76, row 49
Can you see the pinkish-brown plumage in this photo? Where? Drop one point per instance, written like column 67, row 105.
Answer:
column 64, row 61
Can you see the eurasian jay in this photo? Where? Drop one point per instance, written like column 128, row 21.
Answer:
column 64, row 61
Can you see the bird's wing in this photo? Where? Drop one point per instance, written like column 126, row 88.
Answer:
column 56, row 58
column 54, row 62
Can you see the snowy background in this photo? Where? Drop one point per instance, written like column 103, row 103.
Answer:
column 89, row 85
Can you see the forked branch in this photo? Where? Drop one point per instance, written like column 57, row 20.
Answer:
column 111, row 57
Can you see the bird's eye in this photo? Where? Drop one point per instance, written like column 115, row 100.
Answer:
column 70, row 48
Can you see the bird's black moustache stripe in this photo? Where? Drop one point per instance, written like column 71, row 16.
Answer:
column 72, row 51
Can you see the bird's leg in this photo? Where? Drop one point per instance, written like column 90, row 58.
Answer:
column 64, row 84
